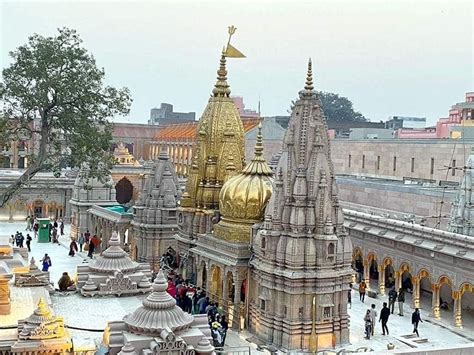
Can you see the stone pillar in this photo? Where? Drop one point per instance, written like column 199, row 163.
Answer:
column 5, row 305
column 457, row 309
column 398, row 281
column 225, row 293
column 236, row 309
column 435, row 301
column 366, row 273
column 415, row 297
column 381, row 270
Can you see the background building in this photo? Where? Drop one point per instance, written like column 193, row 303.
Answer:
column 166, row 115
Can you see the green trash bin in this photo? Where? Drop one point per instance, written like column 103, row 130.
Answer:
column 43, row 231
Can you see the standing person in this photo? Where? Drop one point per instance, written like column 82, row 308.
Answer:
column 224, row 326
column 80, row 241
column 28, row 242
column 46, row 262
column 362, row 288
column 401, row 299
column 384, row 314
column 22, row 239
column 55, row 235
column 87, row 236
column 349, row 296
column 72, row 247
column 28, row 223
column 392, row 298
column 61, row 226
column 415, row 319
column 91, row 249
column 368, row 324
column 55, row 224
column 373, row 316
column 35, row 228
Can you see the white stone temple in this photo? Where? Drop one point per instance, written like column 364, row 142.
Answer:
column 159, row 326
column 113, row 273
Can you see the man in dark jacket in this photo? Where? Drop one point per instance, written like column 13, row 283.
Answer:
column 384, row 314
column 415, row 319
column 392, row 298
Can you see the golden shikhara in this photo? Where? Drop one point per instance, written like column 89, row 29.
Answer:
column 220, row 147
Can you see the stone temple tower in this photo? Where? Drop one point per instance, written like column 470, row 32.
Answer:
column 301, row 264
column 462, row 213
column 154, row 222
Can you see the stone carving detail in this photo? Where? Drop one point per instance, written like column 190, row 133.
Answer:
column 118, row 283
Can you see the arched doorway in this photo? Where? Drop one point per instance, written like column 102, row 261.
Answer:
column 38, row 208
column 216, row 282
column 358, row 264
column 373, row 273
column 443, row 302
column 464, row 307
column 124, row 191
column 204, row 276
column 422, row 290
column 389, row 273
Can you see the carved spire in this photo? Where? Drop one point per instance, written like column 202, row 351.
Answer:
column 258, row 164
column 309, row 77
column 221, row 88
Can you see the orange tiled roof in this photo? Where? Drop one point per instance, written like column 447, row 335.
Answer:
column 187, row 131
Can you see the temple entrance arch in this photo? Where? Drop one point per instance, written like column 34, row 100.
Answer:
column 216, row 282
column 124, row 190
column 358, row 263
column 38, row 208
column 372, row 272
column 387, row 275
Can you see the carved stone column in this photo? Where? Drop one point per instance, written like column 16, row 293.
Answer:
column 435, row 301
column 366, row 273
column 225, row 292
column 5, row 305
column 381, row 270
column 415, row 298
column 457, row 311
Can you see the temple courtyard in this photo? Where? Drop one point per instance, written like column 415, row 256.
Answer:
column 87, row 317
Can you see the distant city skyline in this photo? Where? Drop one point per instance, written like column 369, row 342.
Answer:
column 388, row 57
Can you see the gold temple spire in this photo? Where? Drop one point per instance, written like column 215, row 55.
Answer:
column 221, row 88
column 258, row 164
column 309, row 77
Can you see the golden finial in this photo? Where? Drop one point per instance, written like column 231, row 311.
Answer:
column 221, row 88
column 309, row 77
column 259, row 142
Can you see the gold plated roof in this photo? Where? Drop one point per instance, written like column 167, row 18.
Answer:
column 220, row 146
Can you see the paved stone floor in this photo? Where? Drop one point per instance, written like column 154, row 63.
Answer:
column 91, row 314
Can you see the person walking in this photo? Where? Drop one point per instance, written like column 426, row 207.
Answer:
column 362, row 288
column 61, row 226
column 349, row 296
column 384, row 314
column 368, row 324
column 35, row 229
column 373, row 315
column 401, row 300
column 72, row 247
column 415, row 319
column 46, row 262
column 392, row 298
column 80, row 241
column 91, row 249
column 28, row 242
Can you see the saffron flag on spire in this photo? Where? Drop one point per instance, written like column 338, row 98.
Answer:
column 232, row 52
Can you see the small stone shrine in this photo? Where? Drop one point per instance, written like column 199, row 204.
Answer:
column 113, row 273
column 159, row 327
column 34, row 278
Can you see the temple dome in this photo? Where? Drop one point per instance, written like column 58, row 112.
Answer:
column 159, row 311
column 245, row 195
column 114, row 258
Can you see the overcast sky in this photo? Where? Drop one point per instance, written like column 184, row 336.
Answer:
column 389, row 57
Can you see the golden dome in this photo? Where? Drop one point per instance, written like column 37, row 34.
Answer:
column 245, row 195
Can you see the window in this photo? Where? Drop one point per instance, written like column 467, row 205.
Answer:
column 350, row 158
column 262, row 244
column 377, row 166
column 412, row 165
column 327, row 312
column 453, row 167
column 262, row 304
column 284, row 310
column 394, row 163
column 331, row 249
column 432, row 166
column 363, row 161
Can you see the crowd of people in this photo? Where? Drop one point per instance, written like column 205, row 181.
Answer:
column 370, row 316
column 194, row 300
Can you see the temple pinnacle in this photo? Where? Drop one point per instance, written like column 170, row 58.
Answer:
column 259, row 141
column 221, row 88
column 309, row 77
